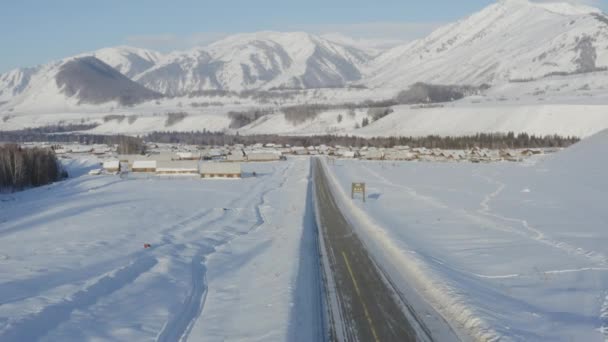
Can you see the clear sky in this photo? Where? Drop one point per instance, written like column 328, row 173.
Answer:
column 34, row 32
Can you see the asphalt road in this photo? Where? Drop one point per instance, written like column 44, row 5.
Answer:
column 370, row 310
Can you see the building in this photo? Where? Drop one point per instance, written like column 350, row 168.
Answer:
column 188, row 156
column 235, row 156
column 400, row 155
column 263, row 156
column 111, row 166
column 374, row 155
column 220, row 170
column 177, row 167
column 345, row 154
column 143, row 166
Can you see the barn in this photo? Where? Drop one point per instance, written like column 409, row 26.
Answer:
column 374, row 155
column 143, row 166
column 235, row 156
column 263, row 156
column 188, row 156
column 220, row 170
column 177, row 167
column 111, row 166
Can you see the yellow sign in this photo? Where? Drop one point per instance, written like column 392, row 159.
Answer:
column 358, row 188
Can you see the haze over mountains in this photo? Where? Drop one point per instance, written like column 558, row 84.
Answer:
column 503, row 45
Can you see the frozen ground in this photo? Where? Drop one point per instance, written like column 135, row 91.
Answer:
column 510, row 251
column 230, row 259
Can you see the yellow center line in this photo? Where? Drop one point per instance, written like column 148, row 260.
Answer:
column 367, row 316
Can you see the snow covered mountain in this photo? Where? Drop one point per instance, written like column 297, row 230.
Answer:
column 508, row 40
column 128, row 60
column 70, row 82
column 559, row 50
column 14, row 82
column 261, row 60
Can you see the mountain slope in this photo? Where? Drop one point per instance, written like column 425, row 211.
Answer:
column 508, row 40
column 261, row 60
column 14, row 82
column 92, row 81
column 69, row 83
column 128, row 60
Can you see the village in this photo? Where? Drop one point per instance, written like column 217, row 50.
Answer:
column 225, row 161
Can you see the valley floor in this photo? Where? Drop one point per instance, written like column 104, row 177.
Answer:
column 229, row 260
column 510, row 251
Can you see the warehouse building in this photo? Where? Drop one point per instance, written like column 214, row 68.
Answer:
column 143, row 166
column 235, row 156
column 220, row 170
column 177, row 167
column 111, row 166
column 259, row 156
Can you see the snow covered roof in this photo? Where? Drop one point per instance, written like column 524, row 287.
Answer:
column 144, row 164
column 220, row 168
column 111, row 164
column 177, row 164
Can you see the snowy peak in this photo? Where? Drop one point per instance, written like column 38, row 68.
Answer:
column 92, row 81
column 557, row 7
column 69, row 83
column 15, row 82
column 130, row 61
column 508, row 40
column 260, row 60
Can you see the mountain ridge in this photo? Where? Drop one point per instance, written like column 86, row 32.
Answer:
column 507, row 41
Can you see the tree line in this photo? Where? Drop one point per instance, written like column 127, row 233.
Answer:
column 481, row 140
column 26, row 167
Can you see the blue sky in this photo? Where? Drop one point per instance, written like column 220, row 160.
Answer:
column 34, row 32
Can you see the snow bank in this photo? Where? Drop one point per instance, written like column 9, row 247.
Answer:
column 585, row 162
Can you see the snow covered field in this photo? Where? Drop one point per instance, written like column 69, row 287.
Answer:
column 504, row 250
column 229, row 259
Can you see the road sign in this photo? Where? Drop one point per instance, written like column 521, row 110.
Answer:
column 358, row 188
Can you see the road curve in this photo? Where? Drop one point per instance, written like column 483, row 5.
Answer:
column 369, row 308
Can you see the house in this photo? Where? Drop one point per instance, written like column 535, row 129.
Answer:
column 130, row 158
column 347, row 154
column 374, row 155
column 143, row 166
column 509, row 155
column 177, row 167
column 235, row 156
column 220, row 170
column 111, row 166
column 529, row 152
column 263, row 156
column 187, row 156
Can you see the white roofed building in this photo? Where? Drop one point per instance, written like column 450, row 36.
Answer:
column 263, row 156
column 111, row 166
column 143, row 166
column 177, row 167
column 220, row 170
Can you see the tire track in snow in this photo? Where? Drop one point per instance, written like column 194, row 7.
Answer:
column 486, row 210
column 529, row 232
column 509, row 225
column 37, row 325
column 178, row 327
column 592, row 256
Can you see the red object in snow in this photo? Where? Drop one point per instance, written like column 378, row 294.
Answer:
column 147, row 245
